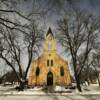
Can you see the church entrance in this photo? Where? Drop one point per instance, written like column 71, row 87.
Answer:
column 49, row 79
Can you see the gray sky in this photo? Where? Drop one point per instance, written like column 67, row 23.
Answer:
column 56, row 12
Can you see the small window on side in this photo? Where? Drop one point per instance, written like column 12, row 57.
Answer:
column 62, row 71
column 37, row 71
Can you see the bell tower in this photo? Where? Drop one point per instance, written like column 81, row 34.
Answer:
column 50, row 41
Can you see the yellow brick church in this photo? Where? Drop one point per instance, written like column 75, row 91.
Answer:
column 49, row 69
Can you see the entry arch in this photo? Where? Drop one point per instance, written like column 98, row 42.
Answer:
column 49, row 79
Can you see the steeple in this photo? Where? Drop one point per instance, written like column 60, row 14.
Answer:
column 49, row 32
column 50, row 41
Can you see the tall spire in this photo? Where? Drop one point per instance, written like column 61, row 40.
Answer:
column 50, row 41
column 49, row 32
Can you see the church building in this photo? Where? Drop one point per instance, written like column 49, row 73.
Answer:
column 49, row 69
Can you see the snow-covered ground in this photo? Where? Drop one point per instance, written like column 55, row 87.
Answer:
column 9, row 90
column 91, row 92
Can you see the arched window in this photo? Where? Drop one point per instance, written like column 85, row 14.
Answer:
column 51, row 62
column 61, row 71
column 37, row 71
column 47, row 62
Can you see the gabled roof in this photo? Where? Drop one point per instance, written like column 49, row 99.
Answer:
column 49, row 32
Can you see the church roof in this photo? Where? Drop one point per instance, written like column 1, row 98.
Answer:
column 49, row 32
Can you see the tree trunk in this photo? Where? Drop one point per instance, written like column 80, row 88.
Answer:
column 21, row 87
column 27, row 69
column 78, row 83
column 76, row 76
column 29, row 63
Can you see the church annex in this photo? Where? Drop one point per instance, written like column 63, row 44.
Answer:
column 49, row 69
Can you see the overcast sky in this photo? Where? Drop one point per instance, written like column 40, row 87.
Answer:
column 26, row 6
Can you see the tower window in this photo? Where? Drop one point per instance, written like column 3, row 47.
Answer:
column 62, row 71
column 37, row 71
column 47, row 62
column 51, row 62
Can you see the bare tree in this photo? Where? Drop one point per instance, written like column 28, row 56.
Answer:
column 32, row 41
column 78, row 35
column 9, row 51
column 12, row 33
